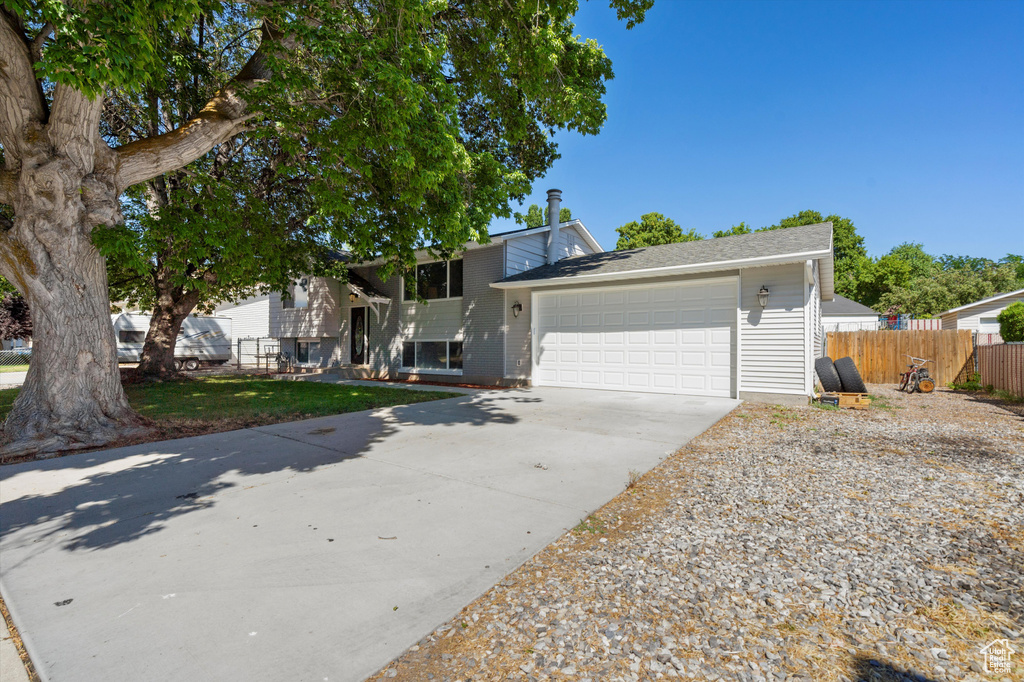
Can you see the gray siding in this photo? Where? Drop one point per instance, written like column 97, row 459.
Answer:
column 483, row 313
column 383, row 335
column 572, row 243
column 518, row 336
column 773, row 345
column 525, row 253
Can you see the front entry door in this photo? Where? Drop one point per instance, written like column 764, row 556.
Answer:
column 358, row 336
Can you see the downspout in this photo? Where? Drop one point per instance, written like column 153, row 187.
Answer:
column 554, row 204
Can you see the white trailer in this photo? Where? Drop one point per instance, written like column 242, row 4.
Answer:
column 201, row 339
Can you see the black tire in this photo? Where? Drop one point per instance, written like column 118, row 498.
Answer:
column 177, row 365
column 827, row 375
column 191, row 365
column 848, row 374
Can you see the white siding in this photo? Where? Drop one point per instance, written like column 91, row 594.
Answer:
column 970, row 318
column 250, row 318
column 318, row 320
column 439, row 321
column 818, row 347
column 525, row 253
column 773, row 344
column 572, row 243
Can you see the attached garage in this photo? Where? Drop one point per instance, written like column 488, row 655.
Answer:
column 674, row 337
column 736, row 317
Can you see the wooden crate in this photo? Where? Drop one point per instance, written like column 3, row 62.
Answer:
column 856, row 401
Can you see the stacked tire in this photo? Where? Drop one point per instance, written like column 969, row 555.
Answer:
column 840, row 376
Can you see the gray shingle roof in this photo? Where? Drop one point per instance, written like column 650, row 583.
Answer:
column 768, row 244
column 844, row 306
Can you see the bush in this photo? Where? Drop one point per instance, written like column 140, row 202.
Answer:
column 1011, row 322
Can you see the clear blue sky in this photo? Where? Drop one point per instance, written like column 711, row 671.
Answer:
column 907, row 117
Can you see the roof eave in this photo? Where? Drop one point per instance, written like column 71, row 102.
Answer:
column 668, row 271
column 984, row 300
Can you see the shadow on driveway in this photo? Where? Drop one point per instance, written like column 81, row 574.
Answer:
column 137, row 489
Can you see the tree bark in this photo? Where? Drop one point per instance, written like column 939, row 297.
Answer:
column 171, row 309
column 72, row 396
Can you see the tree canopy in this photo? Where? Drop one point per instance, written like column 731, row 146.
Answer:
column 413, row 124
column 653, row 229
column 536, row 216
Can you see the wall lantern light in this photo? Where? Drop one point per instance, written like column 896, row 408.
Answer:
column 517, row 308
column 762, row 296
column 352, row 297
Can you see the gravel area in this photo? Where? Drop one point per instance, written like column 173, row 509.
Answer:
column 783, row 544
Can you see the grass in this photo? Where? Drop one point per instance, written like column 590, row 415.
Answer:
column 592, row 524
column 13, row 368
column 221, row 403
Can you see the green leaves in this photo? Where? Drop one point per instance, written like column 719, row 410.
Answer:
column 652, row 230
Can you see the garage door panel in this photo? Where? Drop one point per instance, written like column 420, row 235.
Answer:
column 614, row 319
column 667, row 339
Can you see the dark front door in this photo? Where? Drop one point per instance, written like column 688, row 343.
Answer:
column 358, row 336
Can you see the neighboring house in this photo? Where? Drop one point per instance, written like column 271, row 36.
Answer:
column 980, row 316
column 527, row 308
column 843, row 315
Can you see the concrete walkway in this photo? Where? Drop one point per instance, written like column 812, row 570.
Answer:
column 316, row 550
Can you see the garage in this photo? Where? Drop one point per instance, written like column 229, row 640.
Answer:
column 677, row 337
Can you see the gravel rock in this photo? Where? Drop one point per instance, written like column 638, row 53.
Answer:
column 783, row 544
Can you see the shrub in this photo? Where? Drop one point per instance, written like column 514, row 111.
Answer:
column 1011, row 322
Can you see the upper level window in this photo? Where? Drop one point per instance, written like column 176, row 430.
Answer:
column 442, row 279
column 297, row 295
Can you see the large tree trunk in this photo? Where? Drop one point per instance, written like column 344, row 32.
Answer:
column 72, row 397
column 171, row 309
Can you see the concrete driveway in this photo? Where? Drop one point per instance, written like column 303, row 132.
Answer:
column 316, row 550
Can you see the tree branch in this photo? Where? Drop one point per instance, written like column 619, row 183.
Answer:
column 223, row 117
column 36, row 49
column 21, row 100
column 74, row 126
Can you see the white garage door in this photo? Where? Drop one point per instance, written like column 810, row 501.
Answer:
column 677, row 338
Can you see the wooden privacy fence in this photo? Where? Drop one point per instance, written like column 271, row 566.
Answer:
column 1002, row 367
column 881, row 356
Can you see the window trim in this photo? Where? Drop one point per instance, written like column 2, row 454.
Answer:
column 420, row 370
column 447, row 281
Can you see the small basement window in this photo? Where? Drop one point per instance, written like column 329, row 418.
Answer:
column 437, row 356
column 307, row 351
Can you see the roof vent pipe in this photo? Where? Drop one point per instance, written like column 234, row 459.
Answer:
column 554, row 206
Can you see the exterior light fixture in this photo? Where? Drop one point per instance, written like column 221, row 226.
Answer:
column 762, row 296
column 352, row 297
column 517, row 308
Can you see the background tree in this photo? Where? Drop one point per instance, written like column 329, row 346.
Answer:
column 652, row 230
column 848, row 247
column 536, row 216
column 416, row 124
column 734, row 230
column 233, row 223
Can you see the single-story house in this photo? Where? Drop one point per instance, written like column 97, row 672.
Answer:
column 843, row 315
column 737, row 316
column 980, row 316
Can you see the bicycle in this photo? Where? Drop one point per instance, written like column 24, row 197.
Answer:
column 917, row 378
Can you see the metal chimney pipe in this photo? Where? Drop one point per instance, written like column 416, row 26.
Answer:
column 554, row 204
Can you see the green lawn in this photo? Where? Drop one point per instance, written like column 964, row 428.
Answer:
column 221, row 403
column 13, row 368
